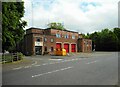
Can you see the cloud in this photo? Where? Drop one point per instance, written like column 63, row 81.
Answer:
column 79, row 15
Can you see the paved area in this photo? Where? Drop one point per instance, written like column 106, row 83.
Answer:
column 98, row 68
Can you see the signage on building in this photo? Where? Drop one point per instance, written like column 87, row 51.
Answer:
column 38, row 43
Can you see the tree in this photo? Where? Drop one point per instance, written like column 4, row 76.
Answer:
column 117, row 33
column 12, row 24
column 106, row 40
column 55, row 25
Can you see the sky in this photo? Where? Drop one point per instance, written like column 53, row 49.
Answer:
column 83, row 16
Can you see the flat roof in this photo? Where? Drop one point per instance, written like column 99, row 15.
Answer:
column 50, row 28
column 34, row 28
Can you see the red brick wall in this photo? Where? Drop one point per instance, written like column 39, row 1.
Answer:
column 63, row 33
column 34, row 30
column 31, row 35
column 84, row 45
column 50, row 44
column 28, row 44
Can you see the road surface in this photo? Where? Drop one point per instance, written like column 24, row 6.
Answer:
column 100, row 68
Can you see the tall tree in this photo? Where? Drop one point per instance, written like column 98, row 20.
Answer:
column 106, row 40
column 56, row 25
column 117, row 33
column 12, row 24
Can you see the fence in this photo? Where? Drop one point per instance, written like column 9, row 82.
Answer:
column 11, row 57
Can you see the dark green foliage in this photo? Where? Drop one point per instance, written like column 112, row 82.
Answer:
column 117, row 33
column 55, row 25
column 106, row 40
column 12, row 24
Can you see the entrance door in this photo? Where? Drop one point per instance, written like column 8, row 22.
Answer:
column 73, row 47
column 66, row 47
column 38, row 50
column 58, row 45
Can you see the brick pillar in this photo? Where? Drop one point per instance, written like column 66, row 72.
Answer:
column 70, row 48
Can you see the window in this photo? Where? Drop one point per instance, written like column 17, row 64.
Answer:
column 52, row 40
column 58, row 35
column 51, row 49
column 37, row 39
column 66, row 36
column 87, row 42
column 45, row 49
column 73, row 36
column 45, row 39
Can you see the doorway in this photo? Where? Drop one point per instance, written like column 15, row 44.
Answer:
column 38, row 50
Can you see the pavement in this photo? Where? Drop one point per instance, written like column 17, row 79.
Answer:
column 96, row 68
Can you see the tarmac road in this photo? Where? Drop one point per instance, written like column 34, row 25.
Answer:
column 99, row 68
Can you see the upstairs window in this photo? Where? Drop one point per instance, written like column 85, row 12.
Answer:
column 58, row 35
column 66, row 36
column 52, row 40
column 37, row 39
column 73, row 36
column 45, row 39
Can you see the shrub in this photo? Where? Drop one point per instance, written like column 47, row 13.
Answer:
column 20, row 56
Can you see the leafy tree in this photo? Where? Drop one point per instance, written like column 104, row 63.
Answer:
column 95, row 40
column 117, row 33
column 55, row 25
column 106, row 40
column 12, row 24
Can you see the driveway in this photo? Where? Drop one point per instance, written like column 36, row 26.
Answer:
column 100, row 68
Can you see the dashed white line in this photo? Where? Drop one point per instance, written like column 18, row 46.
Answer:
column 27, row 66
column 51, row 63
column 45, row 64
column 91, row 62
column 34, row 63
column 17, row 68
column 37, row 65
column 51, row 72
column 56, row 59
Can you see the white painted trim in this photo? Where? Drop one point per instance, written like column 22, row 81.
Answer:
column 59, row 42
column 66, row 42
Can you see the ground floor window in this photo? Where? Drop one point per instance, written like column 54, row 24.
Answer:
column 52, row 49
column 45, row 48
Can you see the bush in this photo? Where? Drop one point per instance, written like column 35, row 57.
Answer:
column 6, row 58
column 20, row 56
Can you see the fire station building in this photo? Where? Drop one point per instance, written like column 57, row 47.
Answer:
column 39, row 41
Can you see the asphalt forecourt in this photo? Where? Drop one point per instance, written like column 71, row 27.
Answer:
column 101, row 70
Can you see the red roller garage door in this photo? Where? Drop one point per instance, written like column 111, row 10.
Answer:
column 58, row 45
column 73, row 47
column 66, row 46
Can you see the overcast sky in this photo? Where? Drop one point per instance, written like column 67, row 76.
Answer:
column 82, row 16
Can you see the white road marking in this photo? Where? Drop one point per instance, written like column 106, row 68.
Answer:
column 37, row 65
column 17, row 68
column 51, row 63
column 27, row 66
column 34, row 63
column 62, row 61
column 91, row 62
column 45, row 64
column 51, row 72
column 56, row 59
column 65, row 60
column 73, row 59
